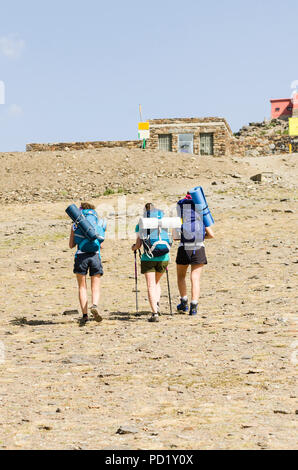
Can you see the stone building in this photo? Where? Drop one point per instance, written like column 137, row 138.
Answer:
column 200, row 136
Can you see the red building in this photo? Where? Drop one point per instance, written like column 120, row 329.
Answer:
column 281, row 109
column 295, row 105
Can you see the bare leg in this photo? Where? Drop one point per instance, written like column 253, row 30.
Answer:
column 152, row 291
column 95, row 288
column 181, row 275
column 196, row 271
column 158, row 277
column 83, row 297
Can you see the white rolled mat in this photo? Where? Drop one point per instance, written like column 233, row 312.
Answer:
column 171, row 222
column 147, row 223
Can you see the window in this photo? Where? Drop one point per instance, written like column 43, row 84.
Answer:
column 185, row 143
column 206, row 144
column 277, row 109
column 165, row 142
column 290, row 108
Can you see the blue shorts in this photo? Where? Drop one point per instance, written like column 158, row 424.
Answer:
column 88, row 261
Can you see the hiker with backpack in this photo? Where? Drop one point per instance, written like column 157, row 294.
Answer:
column 191, row 252
column 87, row 257
column 156, row 243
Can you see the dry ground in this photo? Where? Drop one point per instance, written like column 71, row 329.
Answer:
column 223, row 380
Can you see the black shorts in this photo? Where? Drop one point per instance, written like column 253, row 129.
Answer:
column 88, row 261
column 186, row 257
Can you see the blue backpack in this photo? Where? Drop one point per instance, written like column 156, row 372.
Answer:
column 192, row 227
column 156, row 242
column 99, row 225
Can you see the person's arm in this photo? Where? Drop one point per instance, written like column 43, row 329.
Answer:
column 71, row 238
column 209, row 233
column 176, row 234
column 137, row 245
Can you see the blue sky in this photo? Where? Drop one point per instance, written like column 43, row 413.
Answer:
column 77, row 70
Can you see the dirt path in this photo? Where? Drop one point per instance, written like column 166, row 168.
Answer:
column 224, row 380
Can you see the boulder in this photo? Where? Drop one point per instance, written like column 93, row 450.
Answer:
column 257, row 177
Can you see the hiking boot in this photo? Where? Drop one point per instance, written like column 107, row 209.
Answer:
column 193, row 309
column 183, row 306
column 154, row 318
column 83, row 320
column 96, row 316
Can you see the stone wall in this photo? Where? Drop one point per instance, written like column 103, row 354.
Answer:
column 224, row 142
column 217, row 126
column 84, row 145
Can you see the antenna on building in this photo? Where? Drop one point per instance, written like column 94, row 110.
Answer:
column 140, row 111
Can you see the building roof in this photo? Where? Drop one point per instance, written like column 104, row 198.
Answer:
column 193, row 121
column 280, row 99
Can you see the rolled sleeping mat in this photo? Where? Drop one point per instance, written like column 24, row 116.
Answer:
column 199, row 198
column 147, row 223
column 73, row 212
column 80, row 220
column 170, row 222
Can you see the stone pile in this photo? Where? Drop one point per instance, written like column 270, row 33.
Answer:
column 264, row 128
column 263, row 139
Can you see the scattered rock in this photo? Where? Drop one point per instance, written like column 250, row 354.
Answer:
column 257, row 177
column 78, row 360
column 45, row 427
column 70, row 312
column 176, row 388
column 127, row 430
column 235, row 175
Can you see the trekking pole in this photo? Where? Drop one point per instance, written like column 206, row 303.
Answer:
column 136, row 282
column 169, row 291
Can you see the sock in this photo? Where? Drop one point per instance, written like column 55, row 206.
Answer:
column 194, row 302
column 185, row 298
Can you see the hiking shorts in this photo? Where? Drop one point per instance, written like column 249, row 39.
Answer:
column 186, row 257
column 85, row 262
column 154, row 267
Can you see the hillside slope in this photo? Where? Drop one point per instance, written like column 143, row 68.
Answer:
column 51, row 176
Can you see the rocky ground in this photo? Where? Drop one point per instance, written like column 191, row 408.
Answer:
column 224, row 380
column 264, row 128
